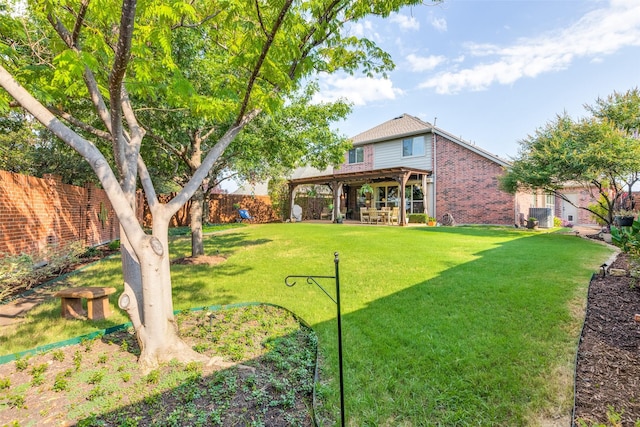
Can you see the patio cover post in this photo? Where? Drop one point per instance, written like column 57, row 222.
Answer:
column 402, row 214
column 336, row 187
column 292, row 191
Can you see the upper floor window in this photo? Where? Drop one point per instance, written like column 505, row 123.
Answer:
column 356, row 155
column 413, row 146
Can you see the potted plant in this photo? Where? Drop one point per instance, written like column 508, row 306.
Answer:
column 431, row 221
column 624, row 218
column 532, row 223
column 365, row 189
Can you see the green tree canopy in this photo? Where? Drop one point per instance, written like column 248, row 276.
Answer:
column 600, row 153
column 60, row 61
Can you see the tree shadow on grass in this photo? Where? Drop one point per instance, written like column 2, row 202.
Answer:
column 98, row 381
column 225, row 244
column 474, row 345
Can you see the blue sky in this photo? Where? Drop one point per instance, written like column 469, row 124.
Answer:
column 491, row 71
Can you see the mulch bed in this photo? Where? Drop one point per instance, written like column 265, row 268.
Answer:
column 608, row 363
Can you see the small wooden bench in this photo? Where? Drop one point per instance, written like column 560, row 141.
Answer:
column 97, row 302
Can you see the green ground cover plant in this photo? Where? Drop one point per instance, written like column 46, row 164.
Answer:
column 442, row 326
column 273, row 370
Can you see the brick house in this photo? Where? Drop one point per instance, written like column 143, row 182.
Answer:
column 410, row 162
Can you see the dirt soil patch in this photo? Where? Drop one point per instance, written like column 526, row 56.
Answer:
column 608, row 363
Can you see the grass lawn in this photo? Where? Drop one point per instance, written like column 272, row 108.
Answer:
column 441, row 326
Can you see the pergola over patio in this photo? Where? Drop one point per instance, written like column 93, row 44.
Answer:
column 336, row 182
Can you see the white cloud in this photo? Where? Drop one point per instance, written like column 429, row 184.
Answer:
column 440, row 24
column 358, row 90
column 600, row 32
column 424, row 63
column 406, row 23
column 364, row 29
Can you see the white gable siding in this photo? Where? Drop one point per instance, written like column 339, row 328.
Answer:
column 388, row 154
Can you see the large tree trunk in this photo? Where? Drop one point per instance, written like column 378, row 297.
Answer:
column 147, row 295
column 148, row 301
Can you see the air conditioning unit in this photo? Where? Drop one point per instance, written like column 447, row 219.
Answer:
column 543, row 215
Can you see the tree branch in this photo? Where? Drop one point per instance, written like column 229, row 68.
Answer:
column 80, row 124
column 147, row 184
column 84, row 5
column 125, row 158
column 263, row 56
column 196, row 24
column 212, row 156
column 84, row 147
column 181, row 152
column 264, row 30
column 328, row 14
column 88, row 76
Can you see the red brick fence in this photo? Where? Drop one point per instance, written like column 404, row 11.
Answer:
column 38, row 212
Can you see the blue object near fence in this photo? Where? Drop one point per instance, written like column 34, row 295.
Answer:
column 244, row 215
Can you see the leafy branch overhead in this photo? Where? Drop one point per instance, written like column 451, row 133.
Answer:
column 99, row 70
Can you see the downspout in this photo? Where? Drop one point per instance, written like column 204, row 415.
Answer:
column 434, row 175
column 425, row 196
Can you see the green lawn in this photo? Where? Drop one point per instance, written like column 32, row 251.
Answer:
column 441, row 326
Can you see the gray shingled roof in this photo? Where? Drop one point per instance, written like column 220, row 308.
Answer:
column 400, row 126
column 407, row 125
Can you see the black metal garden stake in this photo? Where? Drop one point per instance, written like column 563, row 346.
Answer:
column 312, row 280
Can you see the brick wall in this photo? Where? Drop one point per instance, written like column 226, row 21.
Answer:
column 358, row 167
column 37, row 212
column 467, row 187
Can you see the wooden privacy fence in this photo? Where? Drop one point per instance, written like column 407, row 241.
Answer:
column 222, row 210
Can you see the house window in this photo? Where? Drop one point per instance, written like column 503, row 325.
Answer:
column 356, row 155
column 413, row 146
column 550, row 202
column 414, row 199
column 387, row 197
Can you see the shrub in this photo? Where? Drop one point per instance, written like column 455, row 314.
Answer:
column 600, row 208
column 627, row 238
column 21, row 272
column 418, row 218
column 91, row 252
column 114, row 245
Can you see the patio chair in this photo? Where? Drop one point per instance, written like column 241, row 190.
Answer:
column 244, row 215
column 374, row 215
column 325, row 213
column 364, row 215
column 394, row 216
